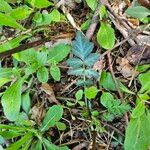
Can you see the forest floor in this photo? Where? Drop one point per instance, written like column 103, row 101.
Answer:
column 77, row 75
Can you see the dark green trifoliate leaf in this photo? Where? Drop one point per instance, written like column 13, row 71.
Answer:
column 92, row 4
column 53, row 115
column 7, row 20
column 76, row 72
column 58, row 53
column 42, row 74
column 144, row 79
column 81, row 47
column 20, row 13
column 61, row 126
column 11, row 101
column 26, row 102
column 74, row 62
column 106, row 36
column 91, row 92
column 79, row 95
column 55, row 72
column 5, row 7
column 139, row 12
column 137, row 133
column 91, row 59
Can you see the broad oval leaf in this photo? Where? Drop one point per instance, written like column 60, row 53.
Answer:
column 58, row 53
column 91, row 92
column 42, row 74
column 11, row 101
column 92, row 4
column 7, row 20
column 20, row 13
column 53, row 115
column 106, row 36
column 138, row 12
column 55, row 72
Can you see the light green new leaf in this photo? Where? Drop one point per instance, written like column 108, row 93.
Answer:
column 106, row 36
column 42, row 74
column 4, row 81
column 55, row 72
column 92, row 4
column 53, row 115
column 138, row 12
column 61, row 126
column 11, row 101
column 144, row 79
column 20, row 13
column 58, row 53
column 5, row 7
column 138, row 133
column 79, row 95
column 107, row 100
column 91, row 92
column 7, row 20
column 40, row 3
column 55, row 15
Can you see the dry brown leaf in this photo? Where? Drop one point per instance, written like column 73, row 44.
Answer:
column 48, row 90
column 125, row 68
column 37, row 113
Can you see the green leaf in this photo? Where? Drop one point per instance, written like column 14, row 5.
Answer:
column 38, row 145
column 12, row 43
column 106, row 81
column 107, row 100
column 137, row 133
column 139, row 110
column 79, row 95
column 145, row 82
column 7, row 20
column 53, row 115
column 26, row 102
column 5, row 7
column 92, row 4
column 55, row 72
column 55, row 15
column 4, row 81
column 51, row 146
column 10, row 134
column 42, row 74
column 20, row 142
column 91, row 92
column 58, row 53
column 61, row 126
column 106, row 36
column 20, row 13
column 39, row 3
column 142, row 12
column 11, row 101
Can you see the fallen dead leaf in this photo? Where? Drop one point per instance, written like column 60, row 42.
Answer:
column 48, row 90
column 125, row 68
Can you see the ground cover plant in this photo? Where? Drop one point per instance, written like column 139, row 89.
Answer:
column 74, row 74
